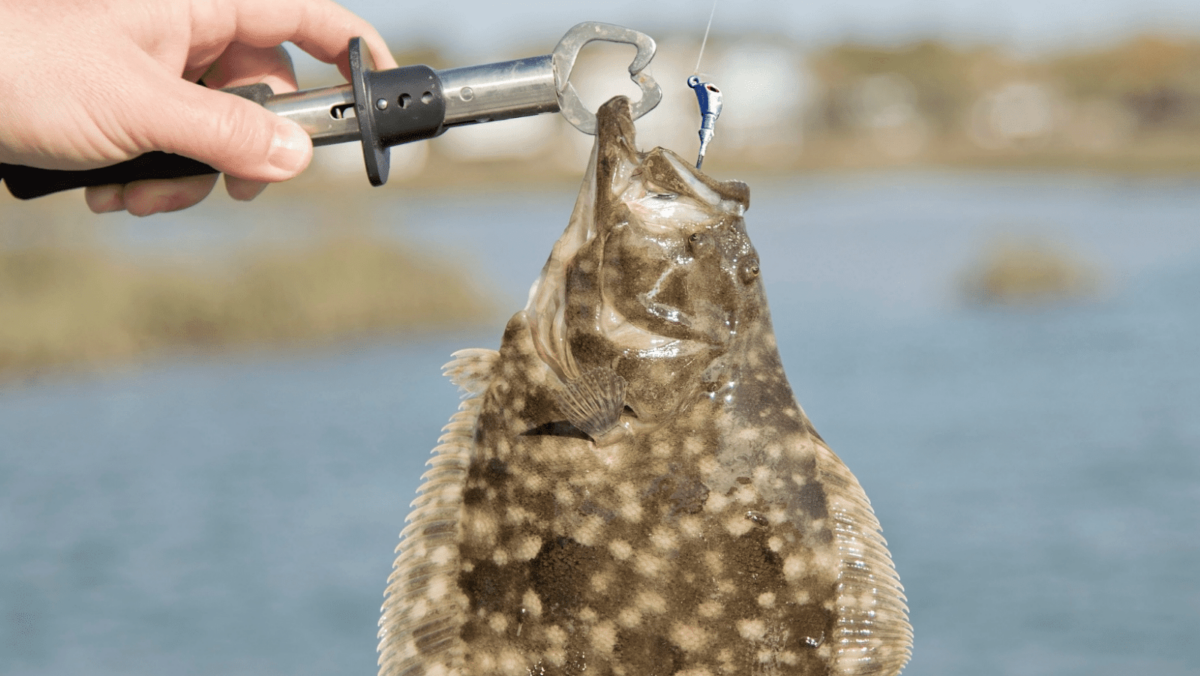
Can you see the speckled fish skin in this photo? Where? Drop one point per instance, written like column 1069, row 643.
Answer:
column 629, row 487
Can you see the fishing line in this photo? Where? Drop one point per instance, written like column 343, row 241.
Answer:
column 705, row 40
column 707, row 95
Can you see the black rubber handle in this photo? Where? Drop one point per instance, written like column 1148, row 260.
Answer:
column 30, row 182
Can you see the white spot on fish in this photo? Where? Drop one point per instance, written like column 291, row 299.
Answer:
column 588, row 532
column 690, row 637
column 793, row 568
column 651, row 602
column 620, row 549
column 752, row 630
column 531, row 603
column 663, row 538
column 648, row 564
column 691, row 526
column 716, row 502
column 556, row 636
column 603, row 637
column 738, row 525
column 528, row 548
column 600, row 581
column 712, row 560
column 629, row 618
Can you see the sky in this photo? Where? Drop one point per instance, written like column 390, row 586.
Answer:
column 489, row 29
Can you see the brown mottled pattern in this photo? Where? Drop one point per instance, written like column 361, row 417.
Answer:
column 709, row 531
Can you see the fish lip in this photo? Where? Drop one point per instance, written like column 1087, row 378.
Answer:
column 732, row 197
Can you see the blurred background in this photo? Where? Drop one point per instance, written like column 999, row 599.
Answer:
column 980, row 234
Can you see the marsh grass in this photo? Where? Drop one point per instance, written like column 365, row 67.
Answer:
column 81, row 307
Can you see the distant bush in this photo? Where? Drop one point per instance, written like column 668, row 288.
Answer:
column 1028, row 273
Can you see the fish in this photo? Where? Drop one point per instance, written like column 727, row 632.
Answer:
column 629, row 487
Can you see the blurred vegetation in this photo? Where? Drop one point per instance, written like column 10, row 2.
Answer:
column 84, row 306
column 939, row 74
column 1133, row 106
column 1138, row 66
column 1028, row 272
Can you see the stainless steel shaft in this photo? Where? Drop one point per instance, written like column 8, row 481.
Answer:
column 499, row 91
column 474, row 94
column 326, row 114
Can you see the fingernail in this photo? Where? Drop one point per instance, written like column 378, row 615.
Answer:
column 290, row 148
column 155, row 207
column 113, row 204
column 244, row 191
column 104, row 199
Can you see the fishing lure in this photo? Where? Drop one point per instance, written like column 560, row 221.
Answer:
column 709, row 98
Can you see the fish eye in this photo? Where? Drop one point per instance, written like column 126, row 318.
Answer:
column 748, row 270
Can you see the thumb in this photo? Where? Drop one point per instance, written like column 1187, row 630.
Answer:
column 232, row 134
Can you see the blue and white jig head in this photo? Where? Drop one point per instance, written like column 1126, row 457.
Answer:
column 709, row 98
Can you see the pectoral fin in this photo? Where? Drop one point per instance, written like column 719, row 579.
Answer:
column 594, row 401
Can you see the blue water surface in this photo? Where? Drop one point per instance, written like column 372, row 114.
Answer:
column 1036, row 471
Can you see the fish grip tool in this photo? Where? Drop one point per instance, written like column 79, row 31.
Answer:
column 385, row 108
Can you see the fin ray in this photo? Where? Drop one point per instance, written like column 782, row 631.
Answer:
column 594, row 401
column 866, row 572
column 423, row 607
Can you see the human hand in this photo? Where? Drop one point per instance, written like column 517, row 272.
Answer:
column 89, row 83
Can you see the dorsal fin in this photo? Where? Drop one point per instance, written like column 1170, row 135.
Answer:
column 873, row 613
column 471, row 370
column 423, row 608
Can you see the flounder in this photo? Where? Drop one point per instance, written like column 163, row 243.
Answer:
column 629, row 487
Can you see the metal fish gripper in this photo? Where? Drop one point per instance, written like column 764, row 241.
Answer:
column 709, row 98
column 385, row 108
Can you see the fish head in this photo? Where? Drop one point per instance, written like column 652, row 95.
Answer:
column 653, row 278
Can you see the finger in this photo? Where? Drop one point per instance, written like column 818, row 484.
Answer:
column 103, row 199
column 154, row 196
column 242, row 64
column 242, row 190
column 238, row 65
column 225, row 131
column 320, row 27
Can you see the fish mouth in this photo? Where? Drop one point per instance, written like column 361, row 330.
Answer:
column 658, row 191
column 644, row 271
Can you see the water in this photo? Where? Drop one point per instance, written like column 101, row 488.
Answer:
column 1037, row 472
